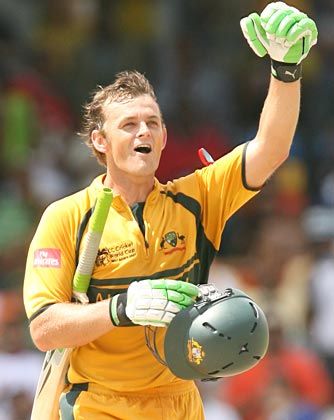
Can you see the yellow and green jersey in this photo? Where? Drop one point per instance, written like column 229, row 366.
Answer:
column 176, row 236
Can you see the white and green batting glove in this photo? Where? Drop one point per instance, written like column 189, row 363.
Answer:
column 152, row 302
column 285, row 34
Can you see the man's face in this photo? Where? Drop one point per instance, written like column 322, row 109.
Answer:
column 135, row 136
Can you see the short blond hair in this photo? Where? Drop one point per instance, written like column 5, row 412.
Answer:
column 127, row 85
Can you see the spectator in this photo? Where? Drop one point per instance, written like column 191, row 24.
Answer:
column 318, row 224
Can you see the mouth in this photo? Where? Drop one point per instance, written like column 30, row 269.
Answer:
column 143, row 149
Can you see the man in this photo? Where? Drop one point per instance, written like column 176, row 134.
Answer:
column 153, row 232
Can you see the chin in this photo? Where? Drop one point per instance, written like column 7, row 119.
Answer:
column 143, row 169
column 141, row 172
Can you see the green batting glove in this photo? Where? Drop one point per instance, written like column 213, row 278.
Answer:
column 285, row 34
column 254, row 33
column 152, row 302
column 290, row 33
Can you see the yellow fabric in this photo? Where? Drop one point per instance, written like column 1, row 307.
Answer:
column 180, row 403
column 183, row 220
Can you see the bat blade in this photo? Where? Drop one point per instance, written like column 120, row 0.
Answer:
column 52, row 380
column 51, row 384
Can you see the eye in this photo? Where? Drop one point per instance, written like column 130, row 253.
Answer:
column 153, row 124
column 129, row 124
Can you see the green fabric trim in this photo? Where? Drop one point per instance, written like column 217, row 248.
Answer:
column 67, row 401
column 137, row 211
column 40, row 311
column 205, row 250
column 188, row 203
column 96, row 294
column 158, row 275
column 243, row 171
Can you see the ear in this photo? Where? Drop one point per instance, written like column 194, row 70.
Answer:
column 164, row 140
column 99, row 141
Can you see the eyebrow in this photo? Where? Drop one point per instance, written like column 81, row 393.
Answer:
column 133, row 117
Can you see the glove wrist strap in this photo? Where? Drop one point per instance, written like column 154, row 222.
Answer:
column 285, row 72
column 117, row 312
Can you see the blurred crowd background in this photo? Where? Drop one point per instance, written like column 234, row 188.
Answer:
column 211, row 87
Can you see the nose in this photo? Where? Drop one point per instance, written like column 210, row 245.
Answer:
column 143, row 129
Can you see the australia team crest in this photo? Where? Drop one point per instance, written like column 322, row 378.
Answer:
column 196, row 353
column 172, row 242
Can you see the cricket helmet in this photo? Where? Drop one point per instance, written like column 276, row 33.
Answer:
column 221, row 335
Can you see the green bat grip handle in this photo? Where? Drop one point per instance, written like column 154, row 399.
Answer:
column 87, row 258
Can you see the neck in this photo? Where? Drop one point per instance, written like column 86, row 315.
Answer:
column 132, row 190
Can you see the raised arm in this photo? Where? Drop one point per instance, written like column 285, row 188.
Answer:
column 286, row 35
column 277, row 126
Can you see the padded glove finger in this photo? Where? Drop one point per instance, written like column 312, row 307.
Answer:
column 254, row 33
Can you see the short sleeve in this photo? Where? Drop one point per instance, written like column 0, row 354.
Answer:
column 51, row 261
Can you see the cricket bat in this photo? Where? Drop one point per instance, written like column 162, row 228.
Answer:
column 51, row 381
